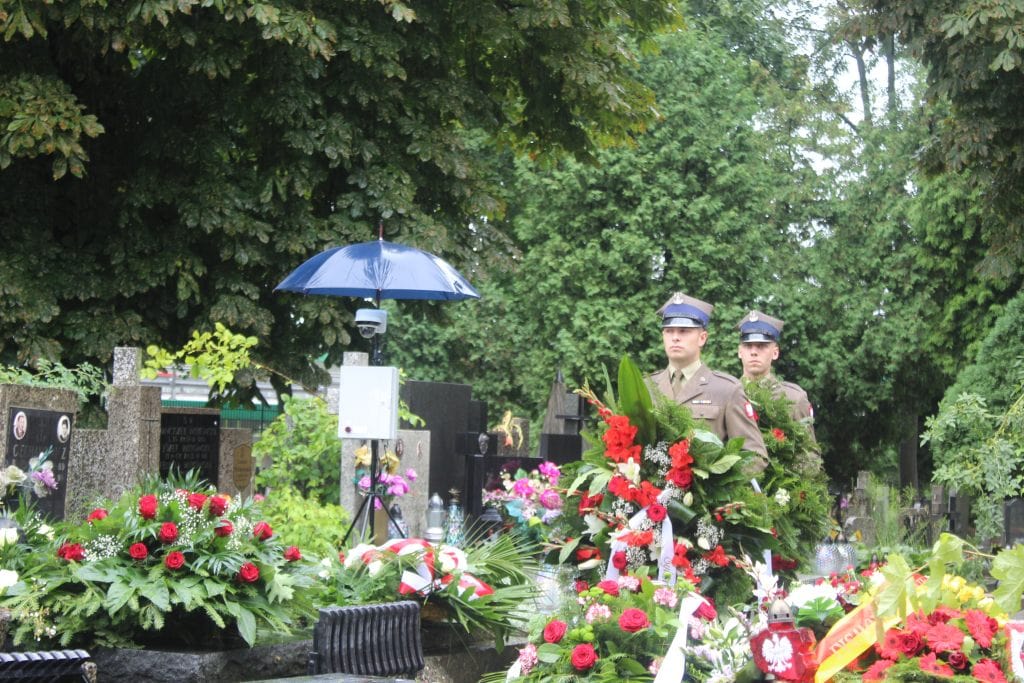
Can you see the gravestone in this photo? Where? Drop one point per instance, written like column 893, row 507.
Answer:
column 445, row 408
column 190, row 440
column 38, row 423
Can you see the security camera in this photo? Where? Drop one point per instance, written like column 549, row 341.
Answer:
column 371, row 321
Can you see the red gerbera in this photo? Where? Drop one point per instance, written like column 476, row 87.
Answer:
column 889, row 646
column 943, row 637
column 876, row 672
column 942, row 614
column 989, row 671
column 917, row 623
column 981, row 626
column 929, row 663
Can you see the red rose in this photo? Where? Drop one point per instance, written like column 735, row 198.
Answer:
column 262, row 531
column 555, row 631
column 619, row 560
column 292, row 554
column 218, row 504
column 633, row 620
column 909, row 643
column 168, row 532
column 249, row 573
column 196, row 500
column 138, row 551
column 71, row 552
column 682, row 477
column 147, row 506
column 583, row 657
column 224, row 528
column 958, row 660
column 98, row 513
column 706, row 609
column 581, row 586
column 610, row 587
column 656, row 512
column 174, row 560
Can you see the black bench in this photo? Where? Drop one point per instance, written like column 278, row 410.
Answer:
column 59, row 666
column 368, row 640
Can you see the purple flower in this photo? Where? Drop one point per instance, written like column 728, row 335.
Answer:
column 45, row 478
column 364, row 483
column 398, row 487
column 410, row 474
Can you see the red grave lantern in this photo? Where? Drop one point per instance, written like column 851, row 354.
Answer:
column 782, row 650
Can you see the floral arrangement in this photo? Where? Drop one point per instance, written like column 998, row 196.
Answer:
column 615, row 630
column 479, row 586
column 654, row 490
column 38, row 480
column 169, row 559
column 390, row 483
column 527, row 499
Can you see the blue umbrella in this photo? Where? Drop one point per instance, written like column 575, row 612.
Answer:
column 379, row 270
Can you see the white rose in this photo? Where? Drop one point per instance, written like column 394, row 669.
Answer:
column 8, row 536
column 8, row 577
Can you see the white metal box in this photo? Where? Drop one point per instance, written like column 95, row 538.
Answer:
column 368, row 402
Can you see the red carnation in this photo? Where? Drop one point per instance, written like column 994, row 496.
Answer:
column 147, row 506
column 97, row 514
column 224, row 527
column 262, row 531
column 71, row 552
column 656, row 512
column 583, row 657
column 717, row 556
column 196, row 500
column 633, row 620
column 619, row 560
column 292, row 554
column 680, row 454
column 168, row 532
column 249, row 573
column 218, row 504
column 610, row 587
column 555, row 631
column 174, row 560
column 638, row 539
column 138, row 551
column 679, row 556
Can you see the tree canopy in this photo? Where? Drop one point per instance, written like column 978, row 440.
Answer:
column 165, row 163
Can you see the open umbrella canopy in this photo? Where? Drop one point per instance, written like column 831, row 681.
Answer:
column 379, row 270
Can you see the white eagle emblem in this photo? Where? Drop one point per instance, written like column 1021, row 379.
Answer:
column 777, row 652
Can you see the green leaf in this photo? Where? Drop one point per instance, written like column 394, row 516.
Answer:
column 118, row 596
column 1008, row 568
column 549, row 653
column 635, row 401
column 724, row 464
column 569, row 548
column 158, row 594
column 246, row 625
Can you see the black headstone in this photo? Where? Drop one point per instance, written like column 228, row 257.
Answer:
column 37, row 433
column 445, row 409
column 190, row 441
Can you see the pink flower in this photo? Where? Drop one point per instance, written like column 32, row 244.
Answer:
column 943, row 637
column 522, row 488
column 610, row 587
column 876, row 672
column 929, row 663
column 598, row 612
column 981, row 626
column 550, row 499
column 989, row 671
column 527, row 658
column 398, row 487
column 549, row 470
column 666, row 597
column 410, row 474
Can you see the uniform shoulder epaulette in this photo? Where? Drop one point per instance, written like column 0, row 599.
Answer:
column 725, row 376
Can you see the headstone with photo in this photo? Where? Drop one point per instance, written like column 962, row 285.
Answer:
column 38, row 425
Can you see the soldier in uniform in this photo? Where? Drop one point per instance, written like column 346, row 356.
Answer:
column 713, row 397
column 759, row 346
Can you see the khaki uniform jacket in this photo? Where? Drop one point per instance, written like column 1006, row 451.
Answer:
column 718, row 400
column 801, row 410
